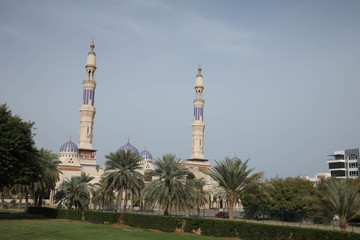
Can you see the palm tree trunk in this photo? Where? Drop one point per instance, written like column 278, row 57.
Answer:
column 36, row 195
column 166, row 212
column 119, row 200
column 40, row 198
column 231, row 209
column 2, row 198
column 125, row 200
column 26, row 198
column 21, row 196
column 342, row 223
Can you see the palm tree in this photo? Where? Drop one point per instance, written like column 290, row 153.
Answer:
column 233, row 177
column 170, row 191
column 121, row 174
column 75, row 193
column 103, row 194
column 48, row 177
column 200, row 196
column 339, row 197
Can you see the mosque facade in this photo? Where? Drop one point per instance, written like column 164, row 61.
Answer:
column 81, row 158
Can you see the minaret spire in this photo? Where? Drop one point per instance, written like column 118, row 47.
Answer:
column 199, row 70
column 87, row 110
column 198, row 125
column 197, row 163
column 92, row 45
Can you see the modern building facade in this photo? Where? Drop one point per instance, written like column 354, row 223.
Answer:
column 344, row 163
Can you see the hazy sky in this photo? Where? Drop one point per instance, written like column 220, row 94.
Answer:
column 282, row 78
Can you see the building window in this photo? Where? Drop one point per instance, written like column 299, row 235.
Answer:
column 353, row 165
column 337, row 173
column 336, row 165
column 354, row 173
column 353, row 157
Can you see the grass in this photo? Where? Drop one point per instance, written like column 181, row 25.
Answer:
column 22, row 226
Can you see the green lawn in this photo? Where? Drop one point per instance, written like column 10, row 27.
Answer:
column 14, row 229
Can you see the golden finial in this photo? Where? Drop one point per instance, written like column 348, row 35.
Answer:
column 128, row 138
column 235, row 154
column 92, row 45
column 145, row 147
column 70, row 139
column 199, row 69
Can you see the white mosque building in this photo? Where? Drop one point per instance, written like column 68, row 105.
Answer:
column 81, row 158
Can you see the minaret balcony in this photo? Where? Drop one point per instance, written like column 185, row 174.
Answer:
column 89, row 81
column 199, row 100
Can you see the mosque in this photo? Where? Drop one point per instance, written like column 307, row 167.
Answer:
column 81, row 158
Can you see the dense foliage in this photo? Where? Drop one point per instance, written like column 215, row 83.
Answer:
column 18, row 156
column 169, row 190
column 48, row 177
column 75, row 192
column 234, row 179
column 338, row 197
column 287, row 194
column 122, row 177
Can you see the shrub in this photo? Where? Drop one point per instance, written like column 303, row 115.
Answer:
column 74, row 214
column 255, row 231
column 101, row 217
column 47, row 212
column 163, row 223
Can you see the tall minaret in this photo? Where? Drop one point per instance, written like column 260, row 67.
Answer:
column 87, row 110
column 197, row 163
column 198, row 125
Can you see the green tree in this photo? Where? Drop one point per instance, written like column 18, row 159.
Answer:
column 18, row 155
column 200, row 196
column 289, row 193
column 169, row 190
column 103, row 194
column 340, row 198
column 75, row 192
column 234, row 179
column 258, row 198
column 121, row 174
column 48, row 177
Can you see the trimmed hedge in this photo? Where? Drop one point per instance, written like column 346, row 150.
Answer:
column 208, row 227
column 102, row 217
column 256, row 231
column 47, row 212
column 163, row 223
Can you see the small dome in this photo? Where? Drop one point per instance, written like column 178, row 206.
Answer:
column 235, row 158
column 146, row 155
column 129, row 147
column 69, row 147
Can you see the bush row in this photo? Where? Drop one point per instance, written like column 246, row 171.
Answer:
column 256, row 231
column 207, row 227
column 163, row 223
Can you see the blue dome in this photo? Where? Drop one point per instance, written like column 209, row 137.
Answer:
column 235, row 158
column 129, row 147
column 69, row 147
column 146, row 155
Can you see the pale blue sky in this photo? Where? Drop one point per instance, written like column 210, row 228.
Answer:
column 282, row 78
